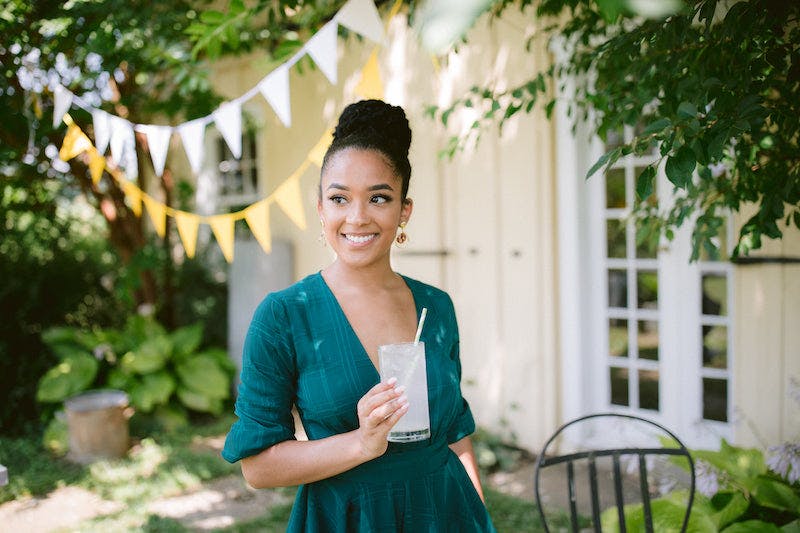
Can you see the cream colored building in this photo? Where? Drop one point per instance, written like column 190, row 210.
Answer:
column 559, row 314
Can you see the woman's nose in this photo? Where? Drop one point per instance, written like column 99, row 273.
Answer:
column 357, row 214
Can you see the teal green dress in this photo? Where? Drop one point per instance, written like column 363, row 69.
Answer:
column 300, row 349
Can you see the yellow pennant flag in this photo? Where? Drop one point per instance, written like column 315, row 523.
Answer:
column 370, row 85
column 75, row 142
column 290, row 199
column 134, row 194
column 187, row 229
column 317, row 154
column 257, row 216
column 222, row 226
column 158, row 214
column 97, row 163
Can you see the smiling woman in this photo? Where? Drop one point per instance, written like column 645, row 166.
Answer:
column 315, row 346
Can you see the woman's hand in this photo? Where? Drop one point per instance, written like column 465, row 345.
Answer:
column 378, row 411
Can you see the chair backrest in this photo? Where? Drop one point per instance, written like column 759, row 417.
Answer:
column 614, row 472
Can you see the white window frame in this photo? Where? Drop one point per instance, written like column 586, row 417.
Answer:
column 583, row 298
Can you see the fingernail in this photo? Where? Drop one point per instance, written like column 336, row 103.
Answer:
column 403, row 399
column 400, row 390
column 392, row 381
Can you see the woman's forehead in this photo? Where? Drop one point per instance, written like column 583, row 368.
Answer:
column 359, row 165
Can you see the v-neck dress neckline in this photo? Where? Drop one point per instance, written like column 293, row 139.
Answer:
column 352, row 330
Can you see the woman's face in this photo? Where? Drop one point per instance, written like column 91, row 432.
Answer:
column 361, row 207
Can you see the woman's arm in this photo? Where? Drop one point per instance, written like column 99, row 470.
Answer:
column 463, row 449
column 296, row 462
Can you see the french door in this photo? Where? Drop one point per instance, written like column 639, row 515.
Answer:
column 655, row 329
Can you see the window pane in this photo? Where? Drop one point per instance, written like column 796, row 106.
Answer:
column 721, row 240
column 715, row 399
column 618, row 337
column 648, row 248
column 615, row 188
column 619, row 386
column 615, row 238
column 715, row 295
column 648, row 339
column 715, row 346
column 648, row 389
column 617, row 288
column 647, row 289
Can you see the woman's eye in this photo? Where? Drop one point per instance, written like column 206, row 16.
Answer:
column 380, row 199
column 338, row 199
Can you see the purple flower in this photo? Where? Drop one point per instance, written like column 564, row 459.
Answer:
column 706, row 477
column 784, row 460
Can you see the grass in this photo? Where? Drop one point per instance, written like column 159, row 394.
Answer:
column 166, row 464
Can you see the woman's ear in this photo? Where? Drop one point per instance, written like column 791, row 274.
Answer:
column 408, row 207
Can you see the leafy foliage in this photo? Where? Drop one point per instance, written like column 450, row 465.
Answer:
column 736, row 491
column 72, row 251
column 715, row 85
column 163, row 372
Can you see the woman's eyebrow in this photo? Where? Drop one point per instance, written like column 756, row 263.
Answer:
column 378, row 187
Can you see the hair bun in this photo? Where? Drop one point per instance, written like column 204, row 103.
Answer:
column 386, row 125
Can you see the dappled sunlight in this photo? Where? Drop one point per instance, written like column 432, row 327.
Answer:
column 219, row 504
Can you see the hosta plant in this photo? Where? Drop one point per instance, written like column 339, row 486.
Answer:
column 163, row 372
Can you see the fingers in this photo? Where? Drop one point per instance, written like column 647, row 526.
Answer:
column 381, row 405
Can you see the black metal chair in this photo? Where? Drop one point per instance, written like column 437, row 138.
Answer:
column 614, row 472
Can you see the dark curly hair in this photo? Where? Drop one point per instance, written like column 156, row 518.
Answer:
column 375, row 125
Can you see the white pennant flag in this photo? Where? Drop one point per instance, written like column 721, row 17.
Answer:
column 158, row 143
column 102, row 131
column 62, row 100
column 123, row 145
column 362, row 17
column 228, row 118
column 275, row 88
column 192, row 136
column 322, row 49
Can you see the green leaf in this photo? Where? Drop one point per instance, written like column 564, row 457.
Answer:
column 680, row 166
column 152, row 390
column 735, row 506
column 194, row 400
column 204, row 375
column 668, row 515
column 644, row 182
column 70, row 376
column 152, row 355
column 657, row 126
column 212, row 17
column 776, row 495
column 687, row 110
column 797, row 219
column 118, row 379
column 608, row 158
column 752, row 526
column 186, row 340
column 66, row 351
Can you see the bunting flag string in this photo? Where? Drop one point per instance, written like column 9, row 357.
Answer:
column 359, row 16
column 117, row 132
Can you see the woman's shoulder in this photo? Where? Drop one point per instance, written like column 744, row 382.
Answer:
column 299, row 294
column 427, row 292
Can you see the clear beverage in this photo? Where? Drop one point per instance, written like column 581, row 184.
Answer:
column 406, row 362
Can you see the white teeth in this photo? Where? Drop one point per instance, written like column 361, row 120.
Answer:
column 358, row 239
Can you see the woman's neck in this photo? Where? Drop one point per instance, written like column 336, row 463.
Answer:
column 375, row 276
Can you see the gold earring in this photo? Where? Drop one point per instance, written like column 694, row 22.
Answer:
column 321, row 237
column 402, row 237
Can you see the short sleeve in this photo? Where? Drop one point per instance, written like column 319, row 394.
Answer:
column 267, row 386
column 464, row 423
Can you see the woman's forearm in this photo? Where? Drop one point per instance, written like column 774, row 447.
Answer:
column 294, row 462
column 463, row 449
